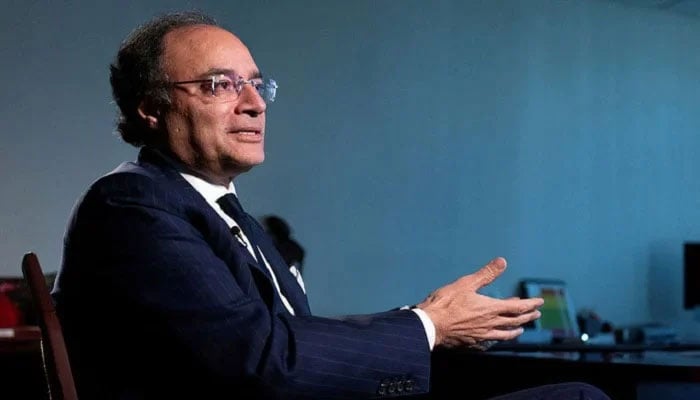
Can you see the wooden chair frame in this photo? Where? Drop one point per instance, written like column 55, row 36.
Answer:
column 57, row 368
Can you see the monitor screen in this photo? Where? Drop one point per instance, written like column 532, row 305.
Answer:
column 558, row 312
column 691, row 275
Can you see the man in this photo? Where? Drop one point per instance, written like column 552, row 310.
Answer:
column 169, row 290
column 288, row 247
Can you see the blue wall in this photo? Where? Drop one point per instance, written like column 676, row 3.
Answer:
column 411, row 141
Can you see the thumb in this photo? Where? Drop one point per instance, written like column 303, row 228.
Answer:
column 488, row 273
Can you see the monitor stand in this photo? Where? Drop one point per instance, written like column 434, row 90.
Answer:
column 688, row 325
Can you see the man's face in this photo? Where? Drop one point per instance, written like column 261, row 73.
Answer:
column 215, row 138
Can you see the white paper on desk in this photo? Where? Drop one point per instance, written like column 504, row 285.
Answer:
column 7, row 333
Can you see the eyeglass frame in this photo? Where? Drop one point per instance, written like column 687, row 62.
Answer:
column 238, row 83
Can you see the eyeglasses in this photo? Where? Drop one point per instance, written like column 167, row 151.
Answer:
column 227, row 88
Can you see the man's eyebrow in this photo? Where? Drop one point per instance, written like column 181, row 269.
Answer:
column 227, row 71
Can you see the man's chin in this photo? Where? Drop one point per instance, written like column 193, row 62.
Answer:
column 242, row 167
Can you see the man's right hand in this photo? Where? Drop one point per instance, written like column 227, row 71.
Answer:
column 464, row 317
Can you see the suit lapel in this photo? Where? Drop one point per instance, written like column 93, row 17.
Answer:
column 215, row 229
column 288, row 283
column 223, row 241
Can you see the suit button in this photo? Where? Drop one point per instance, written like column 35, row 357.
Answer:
column 382, row 388
column 408, row 385
column 399, row 386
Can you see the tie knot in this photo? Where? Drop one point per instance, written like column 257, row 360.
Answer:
column 231, row 206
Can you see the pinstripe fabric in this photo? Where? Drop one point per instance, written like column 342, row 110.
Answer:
column 154, row 285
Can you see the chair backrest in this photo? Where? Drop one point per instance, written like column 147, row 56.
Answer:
column 56, row 364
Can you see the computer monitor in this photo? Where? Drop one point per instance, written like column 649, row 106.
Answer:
column 691, row 275
column 558, row 312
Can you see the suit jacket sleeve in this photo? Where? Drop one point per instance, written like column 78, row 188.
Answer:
column 192, row 309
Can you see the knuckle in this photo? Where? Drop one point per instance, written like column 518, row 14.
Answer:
column 522, row 308
column 491, row 271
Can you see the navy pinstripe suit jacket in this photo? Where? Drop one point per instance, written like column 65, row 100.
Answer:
column 158, row 300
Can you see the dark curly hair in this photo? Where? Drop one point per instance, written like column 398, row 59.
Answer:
column 136, row 72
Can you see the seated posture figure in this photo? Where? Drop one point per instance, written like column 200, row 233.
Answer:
column 281, row 234
column 169, row 290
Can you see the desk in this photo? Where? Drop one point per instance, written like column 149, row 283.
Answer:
column 20, row 339
column 641, row 375
column 21, row 371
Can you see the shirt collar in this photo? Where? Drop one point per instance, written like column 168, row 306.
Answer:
column 210, row 191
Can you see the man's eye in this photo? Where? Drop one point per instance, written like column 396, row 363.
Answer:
column 223, row 85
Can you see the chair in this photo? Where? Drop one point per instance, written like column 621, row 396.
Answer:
column 57, row 368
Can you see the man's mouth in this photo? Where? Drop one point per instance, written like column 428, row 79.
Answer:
column 246, row 131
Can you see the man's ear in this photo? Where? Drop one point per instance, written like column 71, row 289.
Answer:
column 150, row 113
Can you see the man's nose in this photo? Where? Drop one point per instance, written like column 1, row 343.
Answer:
column 250, row 101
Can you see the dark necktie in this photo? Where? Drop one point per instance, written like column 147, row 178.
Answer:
column 232, row 207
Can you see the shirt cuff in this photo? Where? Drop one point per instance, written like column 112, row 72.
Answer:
column 427, row 325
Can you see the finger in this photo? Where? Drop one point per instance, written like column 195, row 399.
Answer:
column 487, row 274
column 502, row 334
column 517, row 306
column 512, row 334
column 511, row 321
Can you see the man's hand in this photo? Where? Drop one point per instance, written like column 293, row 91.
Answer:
column 463, row 317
